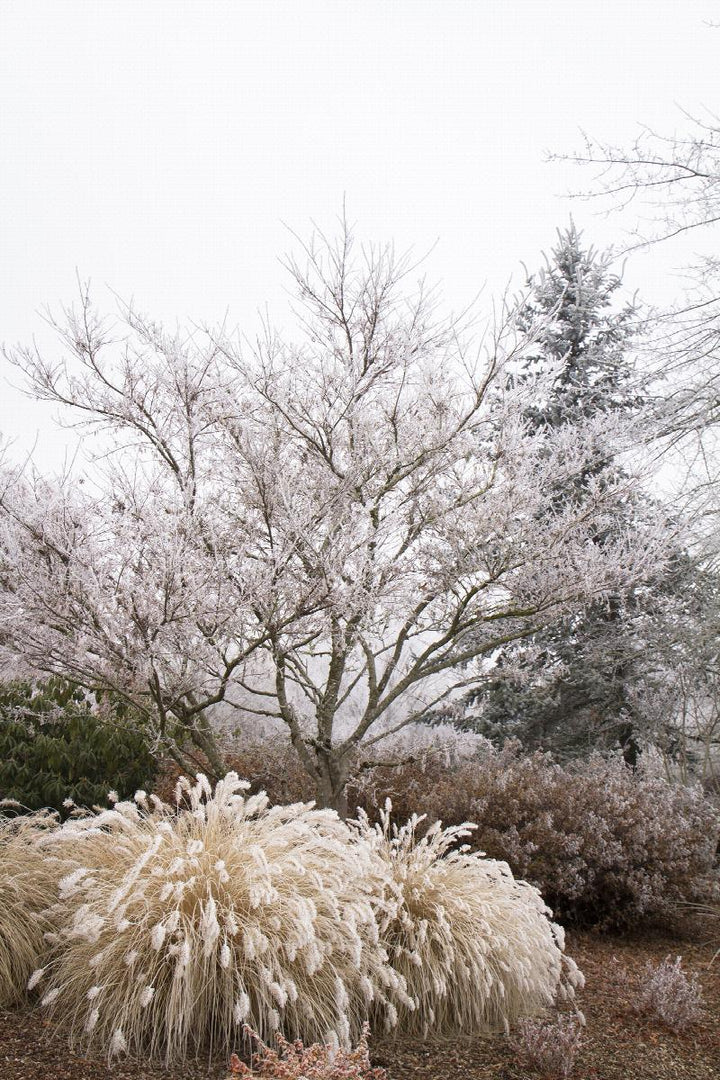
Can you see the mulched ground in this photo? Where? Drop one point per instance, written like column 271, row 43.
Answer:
column 618, row 1044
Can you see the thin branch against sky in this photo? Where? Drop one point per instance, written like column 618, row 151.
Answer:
column 158, row 148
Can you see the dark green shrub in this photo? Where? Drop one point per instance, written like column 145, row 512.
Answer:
column 56, row 743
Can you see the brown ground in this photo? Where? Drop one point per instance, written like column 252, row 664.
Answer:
column 618, row 1045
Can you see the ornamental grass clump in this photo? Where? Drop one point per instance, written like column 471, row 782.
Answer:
column 183, row 923
column 26, row 884
column 475, row 947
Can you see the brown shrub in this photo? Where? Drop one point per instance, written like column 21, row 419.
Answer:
column 607, row 846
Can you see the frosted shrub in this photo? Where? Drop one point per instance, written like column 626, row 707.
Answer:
column 293, row 1061
column 604, row 845
column 475, row 947
column 424, row 743
column 266, row 757
column 271, row 766
column 182, row 924
column 671, row 995
column 549, row 1046
column 25, row 888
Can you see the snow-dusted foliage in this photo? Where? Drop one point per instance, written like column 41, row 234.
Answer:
column 325, row 531
column 605, row 844
column 476, row 947
column 268, row 758
column 549, row 1047
column 442, row 742
column 671, row 995
column 26, row 886
column 174, row 927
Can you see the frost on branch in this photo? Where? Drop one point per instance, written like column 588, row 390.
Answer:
column 320, row 531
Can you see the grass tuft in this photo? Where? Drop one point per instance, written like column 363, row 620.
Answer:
column 475, row 947
column 178, row 925
column 26, row 884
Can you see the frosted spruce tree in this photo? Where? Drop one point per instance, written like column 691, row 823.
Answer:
column 568, row 687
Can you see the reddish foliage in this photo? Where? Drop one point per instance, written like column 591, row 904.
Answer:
column 293, row 1061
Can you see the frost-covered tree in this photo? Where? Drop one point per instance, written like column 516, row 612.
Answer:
column 330, row 531
column 567, row 687
column 672, row 178
column 668, row 185
column 580, row 360
column 677, row 699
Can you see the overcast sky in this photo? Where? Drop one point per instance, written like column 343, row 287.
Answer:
column 161, row 148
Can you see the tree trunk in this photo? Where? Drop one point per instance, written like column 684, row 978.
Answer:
column 330, row 785
column 203, row 737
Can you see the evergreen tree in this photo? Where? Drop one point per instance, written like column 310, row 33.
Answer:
column 581, row 336
column 567, row 688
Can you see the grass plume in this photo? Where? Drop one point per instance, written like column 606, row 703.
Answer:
column 183, row 923
column 26, row 884
column 475, row 947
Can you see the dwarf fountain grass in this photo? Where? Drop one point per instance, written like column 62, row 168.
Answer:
column 179, row 924
column 475, row 947
column 25, row 886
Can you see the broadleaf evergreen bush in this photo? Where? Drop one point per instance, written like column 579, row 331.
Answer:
column 57, row 745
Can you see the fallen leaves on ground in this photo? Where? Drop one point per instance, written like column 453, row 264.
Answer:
column 618, row 1044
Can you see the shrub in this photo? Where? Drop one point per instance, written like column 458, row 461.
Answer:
column 178, row 924
column 549, row 1046
column 55, row 746
column 293, row 1061
column 25, row 887
column 474, row 946
column 273, row 768
column 605, row 845
column 266, row 757
column 670, row 995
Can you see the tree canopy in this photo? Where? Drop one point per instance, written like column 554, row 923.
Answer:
column 568, row 687
column 331, row 530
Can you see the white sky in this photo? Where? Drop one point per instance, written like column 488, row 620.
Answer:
column 158, row 147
